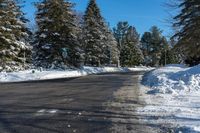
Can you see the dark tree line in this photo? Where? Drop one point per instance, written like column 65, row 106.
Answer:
column 56, row 42
column 99, row 44
column 187, row 34
column 128, row 44
column 152, row 49
column 64, row 38
column 13, row 36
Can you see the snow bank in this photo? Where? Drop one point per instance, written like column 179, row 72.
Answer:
column 29, row 75
column 180, row 113
column 171, row 95
column 174, row 79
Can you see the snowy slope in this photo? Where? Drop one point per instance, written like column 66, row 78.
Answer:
column 54, row 74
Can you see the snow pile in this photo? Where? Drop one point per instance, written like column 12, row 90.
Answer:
column 175, row 104
column 29, row 75
column 179, row 113
column 174, row 79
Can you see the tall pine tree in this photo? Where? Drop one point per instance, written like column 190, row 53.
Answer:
column 56, row 44
column 128, row 44
column 146, row 47
column 98, row 39
column 113, row 51
column 13, row 37
column 187, row 23
column 120, row 32
column 153, row 43
column 131, row 54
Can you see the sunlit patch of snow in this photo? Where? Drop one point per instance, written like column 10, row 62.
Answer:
column 46, row 112
column 41, row 111
column 197, row 128
column 172, row 98
column 79, row 113
column 174, row 79
column 53, row 111
column 55, row 74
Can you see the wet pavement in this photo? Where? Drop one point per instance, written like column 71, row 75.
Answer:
column 92, row 104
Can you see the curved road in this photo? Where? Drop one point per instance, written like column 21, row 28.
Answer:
column 91, row 104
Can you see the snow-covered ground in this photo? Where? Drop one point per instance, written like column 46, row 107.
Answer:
column 174, row 79
column 30, row 75
column 172, row 96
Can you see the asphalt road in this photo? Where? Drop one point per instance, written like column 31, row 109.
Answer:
column 91, row 104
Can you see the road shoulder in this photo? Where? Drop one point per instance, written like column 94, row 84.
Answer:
column 125, row 117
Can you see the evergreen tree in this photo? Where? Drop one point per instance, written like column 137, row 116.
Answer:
column 128, row 44
column 188, row 24
column 156, row 43
column 80, row 34
column 56, row 42
column 165, row 48
column 131, row 53
column 153, row 43
column 114, row 52
column 169, row 56
column 13, row 37
column 98, row 38
column 111, row 51
column 120, row 32
column 146, row 47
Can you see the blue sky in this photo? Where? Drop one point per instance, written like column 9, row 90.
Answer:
column 140, row 13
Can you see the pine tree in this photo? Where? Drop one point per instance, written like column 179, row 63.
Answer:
column 156, row 45
column 146, row 47
column 98, row 38
column 108, row 45
column 120, row 32
column 80, row 34
column 113, row 51
column 93, row 35
column 13, row 37
column 56, row 44
column 168, row 55
column 187, row 23
column 131, row 53
column 153, row 43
